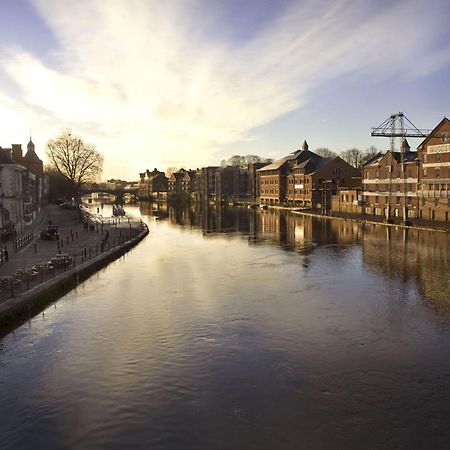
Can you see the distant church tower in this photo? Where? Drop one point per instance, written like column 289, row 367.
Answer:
column 31, row 160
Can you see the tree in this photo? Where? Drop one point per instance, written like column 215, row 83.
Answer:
column 369, row 153
column 243, row 161
column 60, row 186
column 356, row 157
column 325, row 152
column 353, row 156
column 75, row 160
column 170, row 170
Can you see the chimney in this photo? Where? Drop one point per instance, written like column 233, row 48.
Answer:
column 17, row 152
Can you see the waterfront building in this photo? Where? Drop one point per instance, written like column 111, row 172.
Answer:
column 152, row 185
column 11, row 193
column 182, row 181
column 206, row 183
column 434, row 188
column 273, row 177
column 253, row 182
column 348, row 201
column 390, row 183
column 313, row 181
column 227, row 183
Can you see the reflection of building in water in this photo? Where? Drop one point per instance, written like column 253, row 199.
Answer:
column 150, row 209
column 411, row 255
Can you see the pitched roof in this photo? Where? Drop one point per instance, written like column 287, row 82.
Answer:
column 374, row 160
column 279, row 162
column 432, row 132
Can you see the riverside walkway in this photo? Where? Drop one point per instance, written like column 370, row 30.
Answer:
column 79, row 241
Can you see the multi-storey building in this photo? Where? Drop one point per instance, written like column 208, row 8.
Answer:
column 273, row 177
column 182, row 181
column 206, row 183
column 152, row 184
column 390, row 184
column 253, row 182
column 312, row 182
column 35, row 181
column 434, row 189
column 227, row 183
column 11, row 193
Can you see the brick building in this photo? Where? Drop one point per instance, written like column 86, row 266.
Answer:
column 348, row 201
column 152, row 184
column 273, row 177
column 253, row 182
column 206, row 183
column 182, row 182
column 313, row 181
column 434, row 188
column 390, row 183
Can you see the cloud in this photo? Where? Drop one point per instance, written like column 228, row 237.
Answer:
column 148, row 83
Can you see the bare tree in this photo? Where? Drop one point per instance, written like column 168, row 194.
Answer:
column 325, row 152
column 242, row 161
column 369, row 153
column 75, row 160
column 353, row 156
column 170, row 170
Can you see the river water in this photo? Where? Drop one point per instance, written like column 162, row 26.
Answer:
column 241, row 329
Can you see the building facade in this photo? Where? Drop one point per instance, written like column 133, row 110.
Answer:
column 434, row 185
column 312, row 182
column 152, row 185
column 206, row 183
column 273, row 177
column 347, row 201
column 390, row 184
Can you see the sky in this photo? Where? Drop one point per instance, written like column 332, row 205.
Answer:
column 187, row 83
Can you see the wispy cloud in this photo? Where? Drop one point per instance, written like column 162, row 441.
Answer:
column 148, row 84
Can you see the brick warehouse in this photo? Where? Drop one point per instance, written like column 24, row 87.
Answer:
column 411, row 184
column 434, row 188
column 390, row 184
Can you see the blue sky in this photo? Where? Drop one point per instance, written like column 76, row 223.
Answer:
column 191, row 82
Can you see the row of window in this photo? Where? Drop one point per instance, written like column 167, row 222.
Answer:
column 368, row 174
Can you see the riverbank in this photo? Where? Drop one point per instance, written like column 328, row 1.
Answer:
column 365, row 219
column 28, row 282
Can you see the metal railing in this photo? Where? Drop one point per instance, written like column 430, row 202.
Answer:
column 29, row 277
column 23, row 240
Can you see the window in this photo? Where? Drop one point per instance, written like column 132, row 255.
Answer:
column 437, row 172
column 424, row 157
column 438, row 157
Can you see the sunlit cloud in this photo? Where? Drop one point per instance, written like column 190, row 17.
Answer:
column 150, row 86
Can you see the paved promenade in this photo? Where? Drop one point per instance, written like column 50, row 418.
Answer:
column 80, row 240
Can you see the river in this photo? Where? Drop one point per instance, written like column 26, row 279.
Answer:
column 241, row 329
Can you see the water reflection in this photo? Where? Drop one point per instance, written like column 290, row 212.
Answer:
column 407, row 256
column 240, row 329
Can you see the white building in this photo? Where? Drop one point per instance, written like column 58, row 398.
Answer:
column 11, row 193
